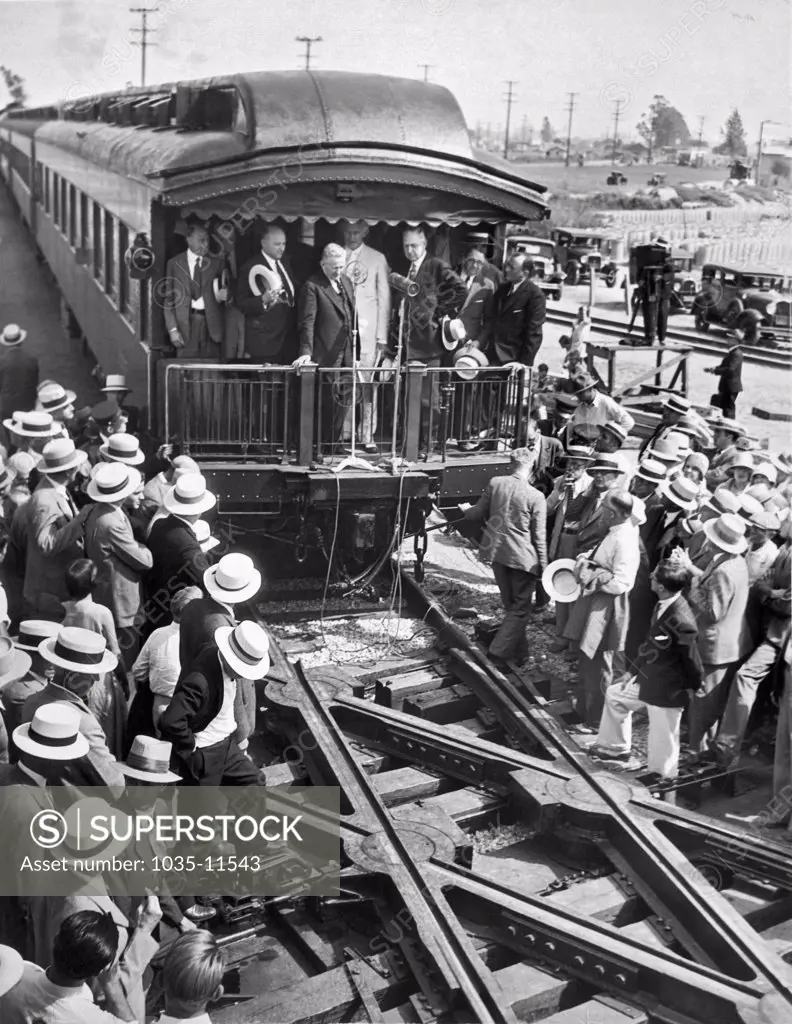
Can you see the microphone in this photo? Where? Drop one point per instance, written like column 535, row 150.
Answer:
column 404, row 284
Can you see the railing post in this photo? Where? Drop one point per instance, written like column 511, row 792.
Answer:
column 412, row 406
column 307, row 380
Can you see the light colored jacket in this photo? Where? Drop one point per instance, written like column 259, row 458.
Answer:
column 54, row 541
column 718, row 598
column 514, row 516
column 372, row 298
column 120, row 559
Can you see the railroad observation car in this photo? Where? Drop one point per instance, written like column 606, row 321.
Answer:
column 106, row 184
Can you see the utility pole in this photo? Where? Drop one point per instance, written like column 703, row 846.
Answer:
column 701, row 121
column 143, row 32
column 309, row 41
column 616, row 116
column 570, row 109
column 510, row 98
column 426, row 70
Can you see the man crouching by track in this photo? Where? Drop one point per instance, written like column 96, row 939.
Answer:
column 514, row 517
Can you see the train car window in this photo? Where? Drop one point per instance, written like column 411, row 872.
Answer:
column 64, row 221
column 56, row 197
column 46, row 189
column 123, row 269
column 97, row 242
column 85, row 238
column 73, row 241
column 109, row 255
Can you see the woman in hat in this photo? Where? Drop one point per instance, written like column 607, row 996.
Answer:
column 739, row 472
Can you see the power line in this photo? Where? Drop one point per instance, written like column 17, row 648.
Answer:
column 510, row 98
column 309, row 41
column 616, row 116
column 426, row 70
column 570, row 108
column 144, row 42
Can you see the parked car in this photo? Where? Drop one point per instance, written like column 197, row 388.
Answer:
column 616, row 178
column 658, row 179
column 577, row 251
column 750, row 300
column 542, row 253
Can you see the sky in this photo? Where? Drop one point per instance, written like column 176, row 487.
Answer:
column 704, row 56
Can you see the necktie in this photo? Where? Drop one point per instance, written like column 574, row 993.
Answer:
column 285, row 282
column 411, row 274
column 195, row 285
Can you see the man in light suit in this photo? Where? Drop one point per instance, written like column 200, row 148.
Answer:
column 193, row 313
column 367, row 269
column 325, row 317
column 55, row 531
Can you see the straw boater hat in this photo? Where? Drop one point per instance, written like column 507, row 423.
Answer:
column 245, row 648
column 652, row 470
column 12, row 335
column 32, row 424
column 468, row 360
column 727, row 532
column 149, row 759
column 608, row 463
column 52, row 397
column 452, row 332
column 61, row 455
column 578, row 452
column 234, row 579
column 742, row 460
column 14, row 664
column 12, row 967
column 749, row 506
column 617, row 429
column 79, row 650
column 112, row 481
column 53, row 733
column 203, row 534
column 189, row 496
column 560, row 582
column 722, row 501
column 33, row 631
column 676, row 403
column 664, row 451
column 115, row 383
column 766, row 520
column 681, row 491
column 122, row 448
column 680, row 440
column 729, row 425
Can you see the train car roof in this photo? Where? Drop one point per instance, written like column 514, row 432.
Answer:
column 356, row 127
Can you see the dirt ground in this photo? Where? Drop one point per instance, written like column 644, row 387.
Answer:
column 593, row 177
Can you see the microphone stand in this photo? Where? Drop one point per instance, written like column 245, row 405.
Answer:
column 353, row 461
column 397, row 379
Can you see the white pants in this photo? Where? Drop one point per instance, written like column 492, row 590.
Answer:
column 615, row 731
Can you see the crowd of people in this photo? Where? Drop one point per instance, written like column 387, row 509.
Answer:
column 672, row 580
column 125, row 661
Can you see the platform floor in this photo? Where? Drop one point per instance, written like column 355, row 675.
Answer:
column 29, row 297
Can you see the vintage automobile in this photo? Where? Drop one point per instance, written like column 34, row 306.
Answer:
column 658, row 179
column 748, row 300
column 542, row 253
column 577, row 251
column 616, row 178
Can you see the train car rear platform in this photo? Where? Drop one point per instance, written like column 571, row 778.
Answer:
column 30, row 298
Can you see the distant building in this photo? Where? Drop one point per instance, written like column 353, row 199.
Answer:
column 555, row 152
column 775, row 170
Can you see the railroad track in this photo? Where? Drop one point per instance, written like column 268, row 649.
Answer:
column 608, row 906
column 706, row 345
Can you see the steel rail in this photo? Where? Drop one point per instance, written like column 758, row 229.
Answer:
column 782, row 361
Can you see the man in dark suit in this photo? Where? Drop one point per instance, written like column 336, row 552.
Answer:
column 441, row 293
column 191, row 299
column 666, row 671
column 270, row 325
column 730, row 383
column 19, row 373
column 475, row 270
column 518, row 315
column 325, row 316
column 200, row 721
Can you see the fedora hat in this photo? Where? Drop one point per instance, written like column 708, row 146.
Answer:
column 452, row 331
column 725, row 423
column 53, row 733
column 742, row 460
column 122, row 448
column 468, row 360
column 579, row 452
column 115, row 382
column 676, row 403
column 60, row 455
column 13, row 663
column 722, row 501
column 78, row 650
column 203, row 534
column 234, row 579
column 560, row 582
column 608, row 463
column 112, row 481
column 664, row 451
column 12, row 967
column 79, row 838
column 32, row 424
column 616, row 428
column 767, row 470
column 652, row 470
column 727, row 532
column 566, row 404
column 105, row 412
column 149, row 759
column 33, row 631
column 12, row 335
column 681, row 491
column 189, row 496
column 52, row 397
column 245, row 648
column 584, row 383
column 766, row 520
